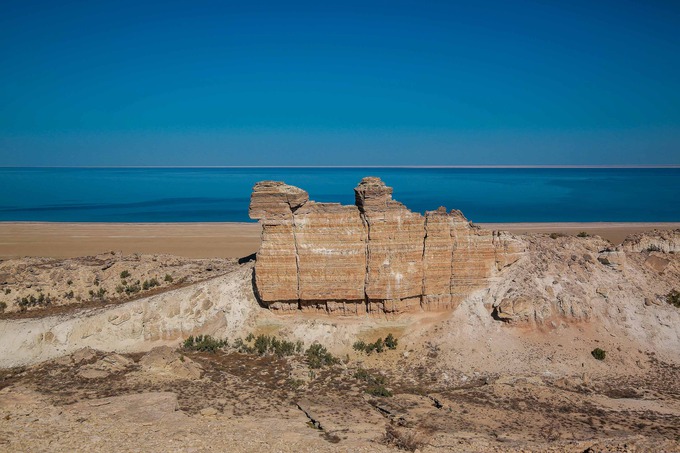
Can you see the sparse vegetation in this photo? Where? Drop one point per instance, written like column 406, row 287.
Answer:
column 266, row 344
column 168, row 278
column 98, row 295
column 376, row 383
column 3, row 306
column 556, row 235
column 148, row 284
column 69, row 295
column 673, row 298
column 390, row 342
column 318, row 356
column 403, row 440
column 69, row 282
column 8, row 291
column 583, row 234
column 124, row 274
column 599, row 354
column 32, row 301
column 203, row 343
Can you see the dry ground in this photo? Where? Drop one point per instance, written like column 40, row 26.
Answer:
column 281, row 404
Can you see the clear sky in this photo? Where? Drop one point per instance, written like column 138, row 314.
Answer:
column 347, row 83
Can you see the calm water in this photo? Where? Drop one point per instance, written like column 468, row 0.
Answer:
column 222, row 194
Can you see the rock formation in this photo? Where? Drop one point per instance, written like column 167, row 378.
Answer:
column 376, row 256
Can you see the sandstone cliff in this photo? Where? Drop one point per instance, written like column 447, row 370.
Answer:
column 376, row 256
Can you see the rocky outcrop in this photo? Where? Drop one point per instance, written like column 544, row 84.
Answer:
column 376, row 256
column 616, row 259
column 666, row 241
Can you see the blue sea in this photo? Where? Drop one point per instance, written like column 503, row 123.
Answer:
column 222, row 194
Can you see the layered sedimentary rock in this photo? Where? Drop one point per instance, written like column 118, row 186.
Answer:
column 376, row 256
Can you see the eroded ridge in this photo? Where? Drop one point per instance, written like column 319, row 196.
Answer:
column 376, row 256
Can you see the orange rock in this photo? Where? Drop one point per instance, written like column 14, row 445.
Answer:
column 377, row 256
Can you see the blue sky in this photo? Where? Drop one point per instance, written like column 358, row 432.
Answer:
column 347, row 83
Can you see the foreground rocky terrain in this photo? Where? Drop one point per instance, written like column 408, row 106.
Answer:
column 39, row 284
column 572, row 345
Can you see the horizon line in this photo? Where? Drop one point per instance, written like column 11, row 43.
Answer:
column 622, row 166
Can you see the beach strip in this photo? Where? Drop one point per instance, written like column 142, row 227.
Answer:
column 209, row 240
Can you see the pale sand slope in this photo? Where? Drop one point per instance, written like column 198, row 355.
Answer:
column 208, row 240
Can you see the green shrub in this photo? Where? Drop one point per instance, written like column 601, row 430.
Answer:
column 8, row 291
column 359, row 345
column 99, row 294
column 265, row 344
column 69, row 282
column 124, row 274
column 391, row 342
column 250, row 337
column 318, row 356
column 673, row 298
column 32, row 301
column 379, row 346
column 583, row 234
column 556, row 235
column 368, row 377
column 598, row 353
column 3, row 306
column 131, row 289
column 203, row 343
column 262, row 343
column 168, row 278
column 242, row 347
column 378, row 390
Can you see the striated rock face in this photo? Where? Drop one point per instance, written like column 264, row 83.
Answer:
column 377, row 256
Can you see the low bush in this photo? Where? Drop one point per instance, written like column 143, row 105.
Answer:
column 3, row 306
column 391, row 342
column 379, row 346
column 8, row 291
column 378, row 390
column 132, row 289
column 376, row 383
column 404, row 440
column 69, row 295
column 98, row 295
column 148, row 284
column 673, row 298
column 32, row 301
column 168, row 278
column 124, row 274
column 203, row 343
column 318, row 356
column 583, row 234
column 359, row 345
column 599, row 354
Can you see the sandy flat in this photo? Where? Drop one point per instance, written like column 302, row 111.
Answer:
column 208, row 240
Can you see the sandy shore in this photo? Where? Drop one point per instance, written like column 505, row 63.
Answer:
column 208, row 240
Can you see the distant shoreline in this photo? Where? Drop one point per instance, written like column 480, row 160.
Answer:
column 622, row 166
column 219, row 239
